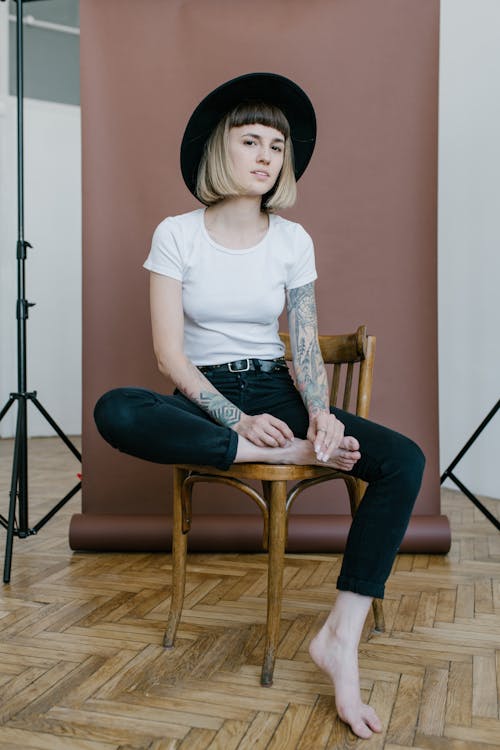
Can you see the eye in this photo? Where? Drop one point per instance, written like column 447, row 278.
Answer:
column 249, row 142
column 279, row 149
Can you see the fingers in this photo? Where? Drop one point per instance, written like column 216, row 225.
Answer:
column 281, row 426
column 268, row 431
column 329, row 434
column 272, row 437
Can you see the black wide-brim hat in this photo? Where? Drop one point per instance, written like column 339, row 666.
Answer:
column 269, row 88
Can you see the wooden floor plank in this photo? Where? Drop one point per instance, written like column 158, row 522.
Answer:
column 459, row 698
column 167, row 743
column 291, row 727
column 319, row 725
column 407, row 611
column 426, row 610
column 196, row 739
column 404, row 718
column 260, row 731
column 23, row 738
column 229, row 736
column 433, row 706
column 484, row 686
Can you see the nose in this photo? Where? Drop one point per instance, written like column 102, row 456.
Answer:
column 264, row 154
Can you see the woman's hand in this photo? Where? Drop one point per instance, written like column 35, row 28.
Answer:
column 264, row 430
column 326, row 433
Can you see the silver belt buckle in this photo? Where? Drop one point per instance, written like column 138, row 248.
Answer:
column 239, row 369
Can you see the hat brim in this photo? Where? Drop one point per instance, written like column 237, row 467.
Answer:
column 265, row 87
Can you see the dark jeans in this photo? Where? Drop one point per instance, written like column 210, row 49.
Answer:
column 172, row 429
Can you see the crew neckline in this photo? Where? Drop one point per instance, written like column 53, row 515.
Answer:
column 229, row 250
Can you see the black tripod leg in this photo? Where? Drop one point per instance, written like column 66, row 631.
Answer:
column 22, row 437
column 7, row 406
column 470, row 441
column 12, row 504
column 473, row 499
column 74, row 450
column 12, row 398
column 448, row 473
column 56, row 508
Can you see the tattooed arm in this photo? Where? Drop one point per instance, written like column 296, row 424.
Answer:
column 310, row 373
column 167, row 320
column 325, row 431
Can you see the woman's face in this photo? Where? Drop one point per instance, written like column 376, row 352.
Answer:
column 256, row 154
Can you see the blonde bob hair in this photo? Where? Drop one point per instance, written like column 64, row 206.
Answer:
column 215, row 180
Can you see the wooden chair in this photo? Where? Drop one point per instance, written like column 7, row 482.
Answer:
column 275, row 503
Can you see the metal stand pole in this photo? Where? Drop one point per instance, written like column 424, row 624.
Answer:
column 448, row 474
column 19, row 478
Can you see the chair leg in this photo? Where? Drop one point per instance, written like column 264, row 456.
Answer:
column 276, row 556
column 378, row 614
column 179, row 550
column 355, row 490
column 266, row 494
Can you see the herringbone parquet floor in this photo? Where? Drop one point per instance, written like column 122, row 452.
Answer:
column 82, row 667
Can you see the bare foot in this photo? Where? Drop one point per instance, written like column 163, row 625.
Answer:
column 339, row 659
column 343, row 458
column 300, row 452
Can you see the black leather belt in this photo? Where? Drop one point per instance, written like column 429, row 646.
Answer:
column 243, row 365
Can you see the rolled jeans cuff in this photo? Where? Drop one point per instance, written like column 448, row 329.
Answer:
column 357, row 586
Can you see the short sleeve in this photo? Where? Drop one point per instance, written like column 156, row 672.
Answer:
column 165, row 256
column 303, row 268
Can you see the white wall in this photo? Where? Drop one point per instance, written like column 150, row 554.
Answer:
column 53, row 268
column 469, row 238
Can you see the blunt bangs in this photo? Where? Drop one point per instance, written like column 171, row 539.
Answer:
column 248, row 113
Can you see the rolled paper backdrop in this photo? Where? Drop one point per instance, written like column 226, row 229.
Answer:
column 368, row 198
column 116, row 533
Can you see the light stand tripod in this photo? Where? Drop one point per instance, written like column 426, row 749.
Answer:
column 448, row 473
column 19, row 481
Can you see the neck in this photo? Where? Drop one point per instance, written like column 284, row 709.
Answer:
column 237, row 223
column 241, row 212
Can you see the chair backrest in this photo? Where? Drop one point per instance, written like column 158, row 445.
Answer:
column 347, row 352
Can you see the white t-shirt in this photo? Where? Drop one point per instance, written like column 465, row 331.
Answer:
column 232, row 298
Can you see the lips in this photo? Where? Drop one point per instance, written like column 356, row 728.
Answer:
column 260, row 173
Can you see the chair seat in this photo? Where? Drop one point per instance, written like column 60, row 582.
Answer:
column 264, row 472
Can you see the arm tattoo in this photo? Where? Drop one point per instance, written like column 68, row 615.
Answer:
column 214, row 403
column 310, row 371
column 219, row 408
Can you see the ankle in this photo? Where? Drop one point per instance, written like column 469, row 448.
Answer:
column 339, row 633
column 345, row 628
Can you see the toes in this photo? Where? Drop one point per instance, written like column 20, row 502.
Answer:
column 344, row 464
column 372, row 719
column 363, row 721
column 358, row 726
column 361, row 730
column 350, row 443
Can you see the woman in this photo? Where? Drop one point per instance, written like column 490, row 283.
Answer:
column 220, row 276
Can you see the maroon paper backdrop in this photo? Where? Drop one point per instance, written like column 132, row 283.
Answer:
column 368, row 199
